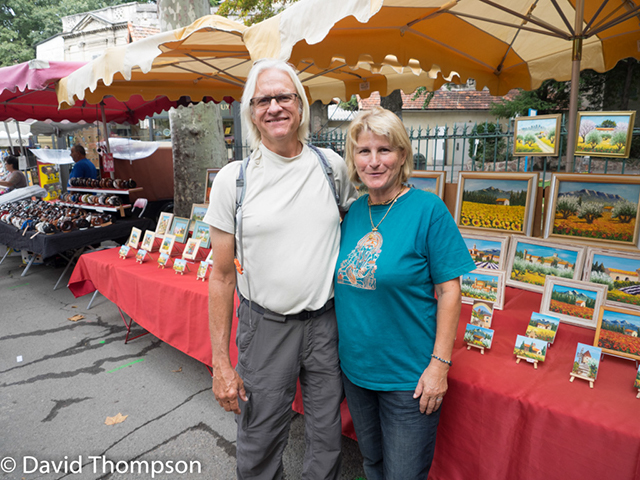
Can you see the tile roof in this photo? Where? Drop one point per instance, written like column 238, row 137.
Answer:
column 444, row 100
column 137, row 32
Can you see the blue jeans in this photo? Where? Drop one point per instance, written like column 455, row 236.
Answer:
column 396, row 440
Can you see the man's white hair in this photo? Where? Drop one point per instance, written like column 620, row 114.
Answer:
column 251, row 131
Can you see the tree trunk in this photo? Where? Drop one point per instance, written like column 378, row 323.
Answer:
column 319, row 116
column 196, row 131
column 393, row 102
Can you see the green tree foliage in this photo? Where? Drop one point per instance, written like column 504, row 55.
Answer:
column 589, row 211
column 624, row 211
column 351, row 105
column 608, row 124
column 489, row 146
column 250, row 11
column 529, row 139
column 619, row 139
column 567, row 206
column 553, row 97
column 593, row 137
column 25, row 23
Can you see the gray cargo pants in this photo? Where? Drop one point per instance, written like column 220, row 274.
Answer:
column 272, row 356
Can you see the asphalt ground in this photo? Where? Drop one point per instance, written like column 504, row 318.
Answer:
column 61, row 380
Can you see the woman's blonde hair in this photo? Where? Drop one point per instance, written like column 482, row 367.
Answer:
column 384, row 123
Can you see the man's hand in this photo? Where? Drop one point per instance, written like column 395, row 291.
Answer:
column 227, row 387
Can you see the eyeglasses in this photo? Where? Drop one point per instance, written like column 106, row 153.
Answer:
column 283, row 99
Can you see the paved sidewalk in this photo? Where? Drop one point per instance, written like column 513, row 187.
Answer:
column 60, row 380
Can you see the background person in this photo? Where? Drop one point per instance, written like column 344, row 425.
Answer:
column 15, row 178
column 286, row 320
column 399, row 248
column 83, row 167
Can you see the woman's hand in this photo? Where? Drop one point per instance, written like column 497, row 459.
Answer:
column 432, row 386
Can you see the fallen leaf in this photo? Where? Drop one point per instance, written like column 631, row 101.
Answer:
column 177, row 371
column 74, row 306
column 75, row 318
column 119, row 418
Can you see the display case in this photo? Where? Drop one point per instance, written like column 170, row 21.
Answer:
column 100, row 199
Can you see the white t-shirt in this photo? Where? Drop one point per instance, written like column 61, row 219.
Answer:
column 290, row 226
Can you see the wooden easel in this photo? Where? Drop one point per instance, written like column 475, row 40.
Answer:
column 469, row 345
column 528, row 360
column 590, row 380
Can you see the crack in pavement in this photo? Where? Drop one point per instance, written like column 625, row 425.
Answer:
column 38, row 333
column 79, row 347
column 60, row 404
column 124, row 437
column 93, row 370
column 227, row 447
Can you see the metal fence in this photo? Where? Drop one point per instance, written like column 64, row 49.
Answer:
column 489, row 147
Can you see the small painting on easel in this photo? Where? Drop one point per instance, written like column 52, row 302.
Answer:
column 478, row 337
column 637, row 382
column 481, row 313
column 543, row 327
column 530, row 349
column 586, row 363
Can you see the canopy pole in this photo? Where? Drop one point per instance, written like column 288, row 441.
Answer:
column 106, row 133
column 6, row 127
column 575, row 87
column 24, row 154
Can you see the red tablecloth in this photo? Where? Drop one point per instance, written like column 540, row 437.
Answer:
column 500, row 420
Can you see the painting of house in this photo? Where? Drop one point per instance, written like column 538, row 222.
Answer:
column 531, row 261
column 486, row 251
column 586, row 362
column 478, row 336
column 618, row 332
column 620, row 271
column 543, row 327
column 483, row 284
column 482, row 313
column 530, row 348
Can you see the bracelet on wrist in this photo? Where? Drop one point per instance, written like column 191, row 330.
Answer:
column 448, row 362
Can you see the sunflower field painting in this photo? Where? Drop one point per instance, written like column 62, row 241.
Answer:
column 495, row 204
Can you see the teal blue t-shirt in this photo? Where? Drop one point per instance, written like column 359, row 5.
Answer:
column 385, row 287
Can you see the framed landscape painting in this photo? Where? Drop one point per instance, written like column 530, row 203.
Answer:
column 191, row 249
column 498, row 202
column 167, row 244
column 535, row 136
column 487, row 251
column 211, row 175
column 483, row 284
column 180, row 229
column 596, row 208
column 604, row 134
column 164, row 223
column 532, row 260
column 201, row 232
column 573, row 301
column 198, row 210
column 618, row 332
column 134, row 238
column 617, row 269
column 430, row 181
column 148, row 240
